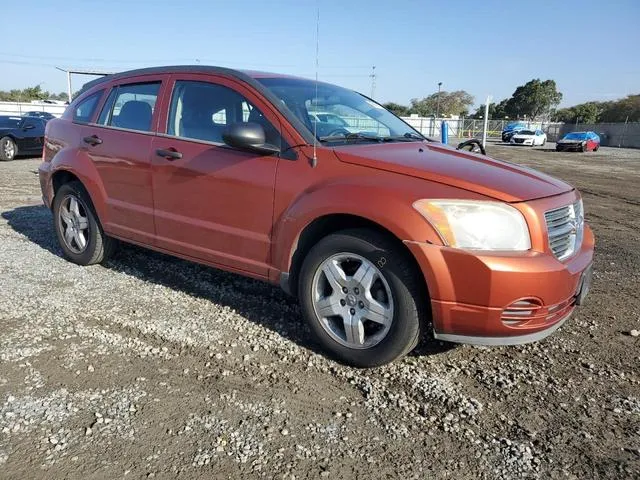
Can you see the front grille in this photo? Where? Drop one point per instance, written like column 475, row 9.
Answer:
column 518, row 140
column 565, row 228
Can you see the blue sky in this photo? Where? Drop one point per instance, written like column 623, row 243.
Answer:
column 485, row 47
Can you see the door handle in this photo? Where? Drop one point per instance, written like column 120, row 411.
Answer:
column 92, row 140
column 169, row 154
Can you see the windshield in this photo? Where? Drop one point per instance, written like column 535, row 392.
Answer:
column 337, row 112
column 576, row 136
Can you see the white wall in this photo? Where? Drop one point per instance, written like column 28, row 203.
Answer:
column 18, row 108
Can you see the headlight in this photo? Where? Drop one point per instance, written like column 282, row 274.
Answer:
column 477, row 225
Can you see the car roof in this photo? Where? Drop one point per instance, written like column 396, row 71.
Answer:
column 248, row 76
column 252, row 74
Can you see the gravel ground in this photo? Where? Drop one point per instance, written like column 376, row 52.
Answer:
column 149, row 366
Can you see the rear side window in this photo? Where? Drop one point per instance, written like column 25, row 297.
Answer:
column 202, row 111
column 131, row 106
column 83, row 112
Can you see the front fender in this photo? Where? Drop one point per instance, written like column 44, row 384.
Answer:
column 389, row 208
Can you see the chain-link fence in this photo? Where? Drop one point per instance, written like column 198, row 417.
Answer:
column 472, row 128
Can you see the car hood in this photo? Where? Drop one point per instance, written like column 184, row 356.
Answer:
column 438, row 163
column 571, row 140
column 522, row 135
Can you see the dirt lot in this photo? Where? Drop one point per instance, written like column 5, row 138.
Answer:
column 154, row 367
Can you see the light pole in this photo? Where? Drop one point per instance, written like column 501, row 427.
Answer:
column 438, row 101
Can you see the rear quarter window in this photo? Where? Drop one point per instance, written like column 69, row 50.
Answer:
column 83, row 112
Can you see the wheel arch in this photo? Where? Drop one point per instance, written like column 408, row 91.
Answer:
column 60, row 177
column 328, row 224
column 69, row 166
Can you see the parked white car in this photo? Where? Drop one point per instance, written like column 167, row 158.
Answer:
column 529, row 137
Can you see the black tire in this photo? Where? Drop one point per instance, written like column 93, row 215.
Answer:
column 596, row 148
column 403, row 278
column 99, row 247
column 8, row 144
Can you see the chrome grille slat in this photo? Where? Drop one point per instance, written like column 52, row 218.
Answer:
column 564, row 228
column 553, row 215
column 561, row 231
column 559, row 221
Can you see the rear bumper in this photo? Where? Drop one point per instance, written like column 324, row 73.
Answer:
column 477, row 298
column 46, row 186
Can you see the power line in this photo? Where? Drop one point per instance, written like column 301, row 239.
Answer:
column 156, row 60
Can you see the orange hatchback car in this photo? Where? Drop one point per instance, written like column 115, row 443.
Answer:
column 377, row 230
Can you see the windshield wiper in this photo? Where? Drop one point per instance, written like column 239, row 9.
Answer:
column 406, row 137
column 352, row 136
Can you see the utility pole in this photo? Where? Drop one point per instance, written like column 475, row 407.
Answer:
column 373, row 81
column 438, row 101
column 486, row 120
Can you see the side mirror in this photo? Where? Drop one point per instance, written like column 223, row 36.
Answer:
column 248, row 136
column 474, row 145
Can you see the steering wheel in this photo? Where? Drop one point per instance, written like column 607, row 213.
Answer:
column 474, row 145
column 338, row 131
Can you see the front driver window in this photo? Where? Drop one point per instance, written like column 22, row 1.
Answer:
column 202, row 111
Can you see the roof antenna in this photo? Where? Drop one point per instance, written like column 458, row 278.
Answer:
column 314, row 160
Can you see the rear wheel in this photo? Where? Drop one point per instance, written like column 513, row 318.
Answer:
column 8, row 148
column 361, row 297
column 77, row 227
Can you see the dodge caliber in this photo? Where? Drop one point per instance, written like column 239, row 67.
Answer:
column 381, row 233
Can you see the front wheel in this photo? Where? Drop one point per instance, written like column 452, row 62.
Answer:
column 8, row 149
column 362, row 298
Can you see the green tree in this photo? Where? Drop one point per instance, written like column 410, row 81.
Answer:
column 451, row 103
column 588, row 112
column 24, row 95
column 622, row 110
column 534, row 99
column 497, row 111
column 400, row 110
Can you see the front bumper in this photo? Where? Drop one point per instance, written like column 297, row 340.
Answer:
column 478, row 297
column 569, row 147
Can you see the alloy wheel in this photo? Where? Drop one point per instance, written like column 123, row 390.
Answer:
column 74, row 224
column 352, row 300
column 8, row 149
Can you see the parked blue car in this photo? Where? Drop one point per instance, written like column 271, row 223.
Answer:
column 511, row 129
column 579, row 141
